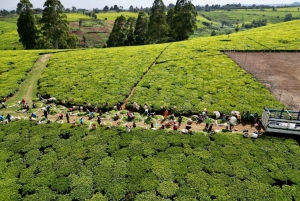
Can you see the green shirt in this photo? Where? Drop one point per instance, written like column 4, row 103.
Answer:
column 207, row 120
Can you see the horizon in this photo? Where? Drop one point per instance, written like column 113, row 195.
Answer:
column 90, row 4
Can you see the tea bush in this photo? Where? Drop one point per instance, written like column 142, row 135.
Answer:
column 106, row 76
column 14, row 65
column 60, row 162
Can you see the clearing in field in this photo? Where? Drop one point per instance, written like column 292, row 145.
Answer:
column 279, row 72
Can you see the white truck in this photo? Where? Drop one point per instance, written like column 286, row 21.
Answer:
column 281, row 121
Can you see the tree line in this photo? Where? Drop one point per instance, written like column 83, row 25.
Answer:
column 51, row 31
column 176, row 24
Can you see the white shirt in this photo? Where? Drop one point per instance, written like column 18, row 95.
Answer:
column 232, row 120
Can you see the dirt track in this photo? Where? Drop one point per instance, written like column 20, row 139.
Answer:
column 279, row 72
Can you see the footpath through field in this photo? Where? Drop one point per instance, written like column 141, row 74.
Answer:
column 149, row 68
column 28, row 88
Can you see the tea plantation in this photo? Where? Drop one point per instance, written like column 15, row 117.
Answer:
column 97, row 77
column 60, row 162
column 56, row 162
column 14, row 66
column 9, row 37
column 190, row 75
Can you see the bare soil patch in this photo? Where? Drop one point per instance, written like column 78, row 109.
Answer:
column 279, row 72
column 77, row 33
column 74, row 24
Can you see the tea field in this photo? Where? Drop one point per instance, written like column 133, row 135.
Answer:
column 14, row 66
column 196, row 80
column 75, row 17
column 112, row 16
column 247, row 16
column 56, row 162
column 190, row 75
column 97, row 76
column 61, row 162
column 193, row 74
column 9, row 37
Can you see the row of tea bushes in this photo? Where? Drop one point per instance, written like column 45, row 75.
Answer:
column 58, row 162
column 97, row 76
column 9, row 37
column 14, row 65
column 193, row 80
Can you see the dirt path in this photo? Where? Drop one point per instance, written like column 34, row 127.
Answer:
column 28, row 88
column 149, row 68
column 127, row 99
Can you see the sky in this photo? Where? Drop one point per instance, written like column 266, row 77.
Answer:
column 90, row 4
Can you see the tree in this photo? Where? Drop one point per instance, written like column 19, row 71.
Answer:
column 237, row 28
column 4, row 12
column 55, row 27
column 158, row 27
column 288, row 17
column 74, row 9
column 130, row 26
column 141, row 29
column 106, row 8
column 27, row 29
column 171, row 5
column 131, row 8
column 116, row 7
column 118, row 35
column 38, row 10
column 170, row 16
column 136, row 9
column 184, row 21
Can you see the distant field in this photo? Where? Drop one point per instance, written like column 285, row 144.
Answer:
column 75, row 17
column 288, row 9
column 201, row 19
column 111, row 16
column 247, row 16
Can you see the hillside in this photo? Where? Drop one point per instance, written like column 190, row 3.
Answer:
column 54, row 161
column 226, row 21
column 190, row 75
column 9, row 37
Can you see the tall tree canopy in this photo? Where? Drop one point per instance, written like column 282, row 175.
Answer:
column 118, row 35
column 55, row 27
column 141, row 29
column 158, row 27
column 130, row 26
column 170, row 16
column 27, row 29
column 184, row 20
